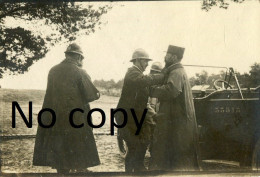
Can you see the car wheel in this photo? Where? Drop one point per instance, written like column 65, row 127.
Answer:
column 256, row 157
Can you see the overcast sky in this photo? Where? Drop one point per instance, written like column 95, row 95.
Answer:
column 219, row 37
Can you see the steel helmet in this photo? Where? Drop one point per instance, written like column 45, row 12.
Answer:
column 157, row 66
column 140, row 54
column 74, row 48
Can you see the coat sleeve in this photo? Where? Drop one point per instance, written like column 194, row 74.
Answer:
column 171, row 89
column 47, row 103
column 87, row 88
column 141, row 80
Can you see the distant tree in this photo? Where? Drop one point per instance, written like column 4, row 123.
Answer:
column 96, row 83
column 213, row 77
column 192, row 81
column 251, row 79
column 203, row 78
column 119, row 84
column 243, row 79
column 110, row 84
column 246, row 80
column 199, row 79
column 208, row 4
column 255, row 75
column 100, row 83
column 21, row 46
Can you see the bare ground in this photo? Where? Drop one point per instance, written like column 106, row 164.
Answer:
column 17, row 154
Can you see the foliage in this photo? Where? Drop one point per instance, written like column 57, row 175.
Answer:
column 208, row 4
column 255, row 74
column 246, row 80
column 110, row 87
column 111, row 84
column 26, row 43
column 204, row 78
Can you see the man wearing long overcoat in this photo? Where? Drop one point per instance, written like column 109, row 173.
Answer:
column 63, row 146
column 135, row 93
column 175, row 143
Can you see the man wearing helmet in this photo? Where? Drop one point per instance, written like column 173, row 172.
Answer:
column 153, row 105
column 135, row 93
column 175, row 141
column 63, row 146
column 152, row 109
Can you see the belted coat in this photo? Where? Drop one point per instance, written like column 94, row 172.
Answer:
column 63, row 146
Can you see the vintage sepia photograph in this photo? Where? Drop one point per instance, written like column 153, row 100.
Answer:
column 130, row 88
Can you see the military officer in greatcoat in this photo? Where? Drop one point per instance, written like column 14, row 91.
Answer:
column 135, row 93
column 63, row 146
column 175, row 140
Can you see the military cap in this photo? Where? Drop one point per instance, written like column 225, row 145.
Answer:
column 178, row 51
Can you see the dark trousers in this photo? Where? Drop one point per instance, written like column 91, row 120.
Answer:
column 134, row 160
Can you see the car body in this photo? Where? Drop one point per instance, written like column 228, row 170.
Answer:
column 229, row 123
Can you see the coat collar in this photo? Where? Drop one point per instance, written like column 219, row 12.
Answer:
column 134, row 66
column 175, row 66
column 71, row 60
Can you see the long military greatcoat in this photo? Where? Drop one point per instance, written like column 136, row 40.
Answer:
column 175, row 145
column 63, row 146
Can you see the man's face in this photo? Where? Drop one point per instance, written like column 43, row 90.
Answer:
column 80, row 60
column 144, row 63
column 168, row 58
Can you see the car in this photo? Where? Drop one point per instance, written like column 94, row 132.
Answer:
column 228, row 119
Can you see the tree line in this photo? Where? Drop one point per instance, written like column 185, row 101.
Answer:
column 110, row 84
column 246, row 80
